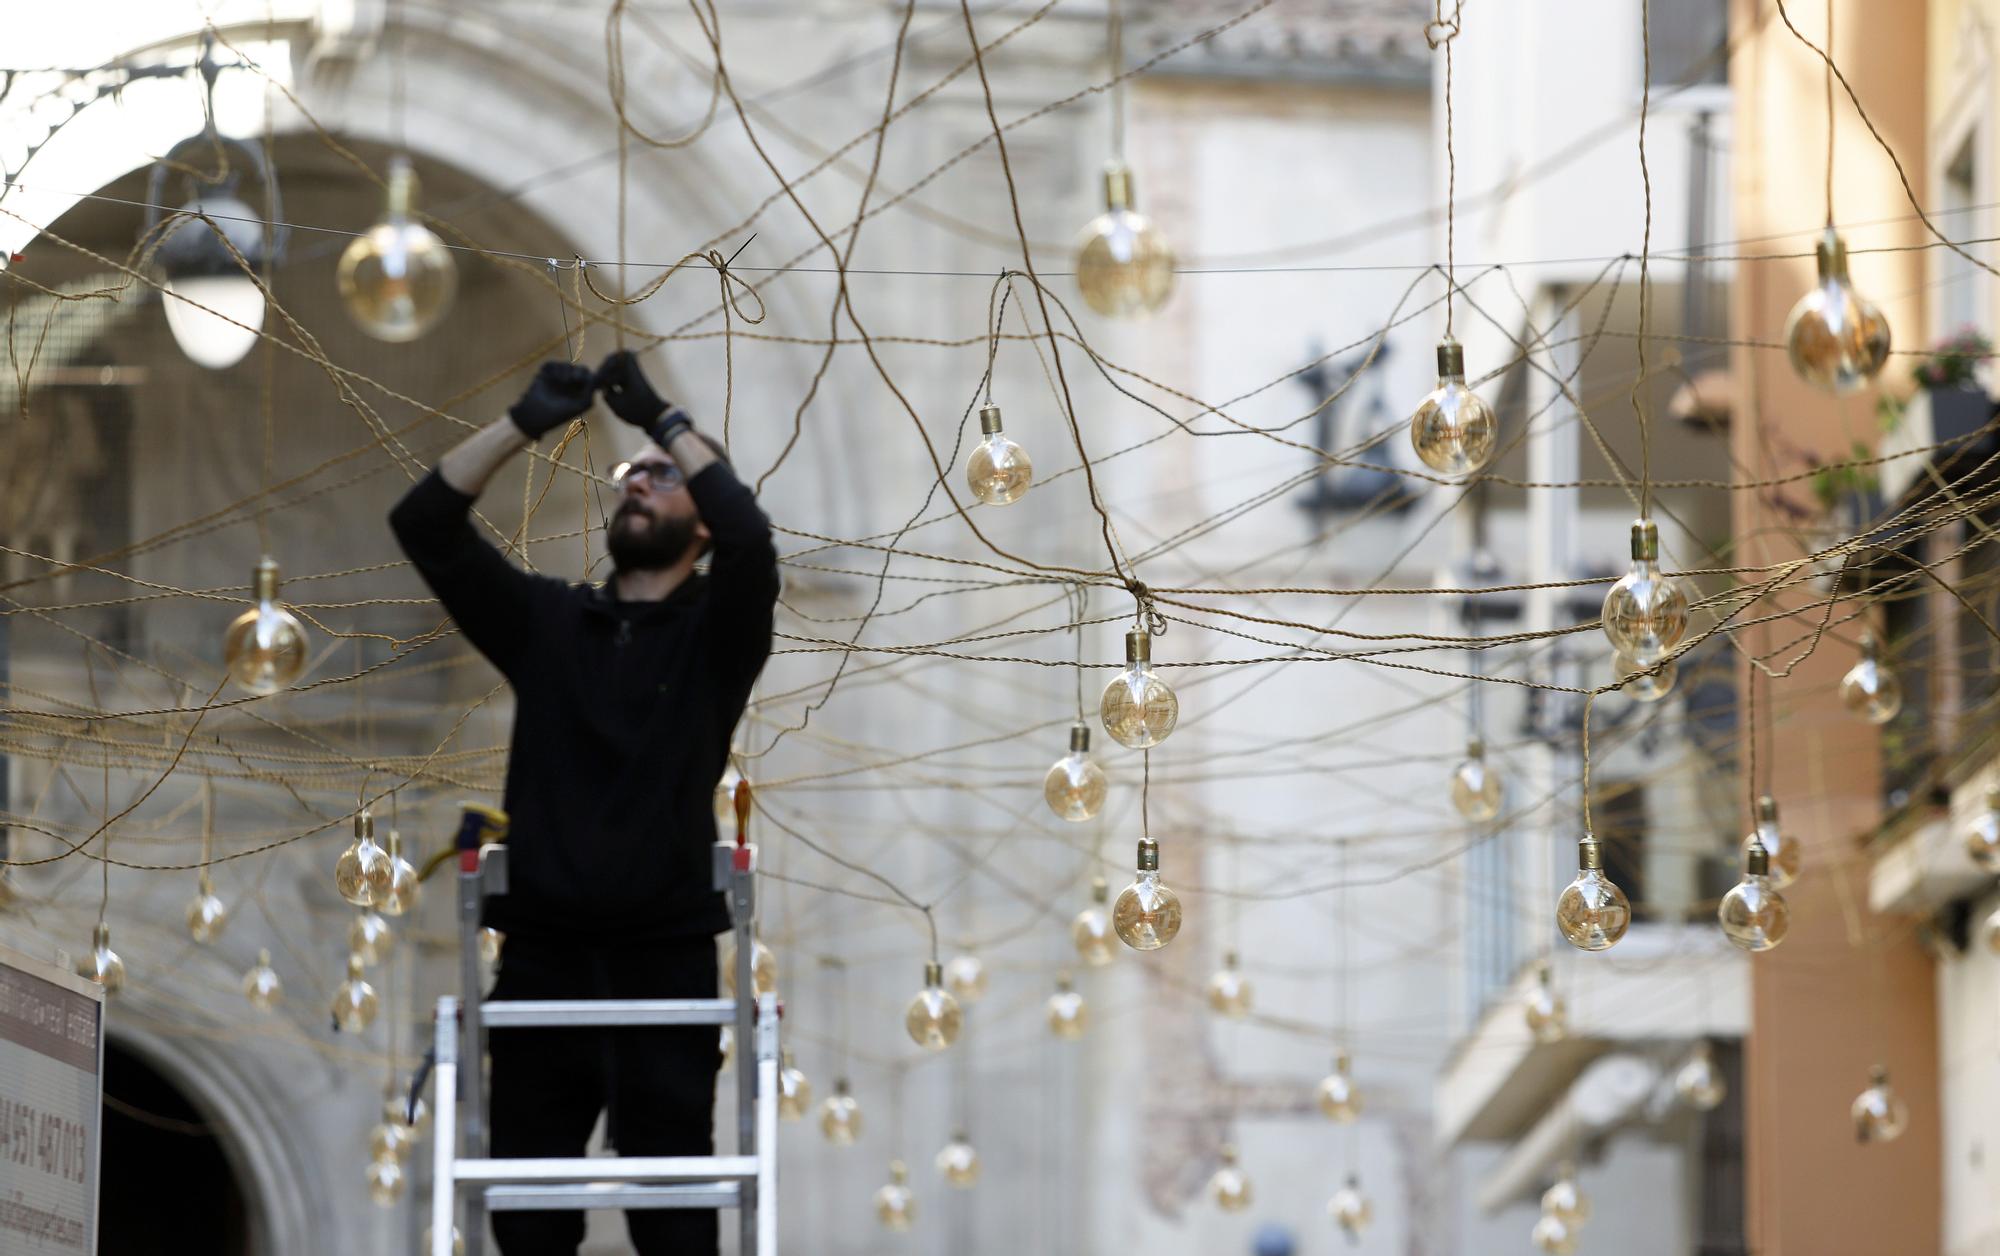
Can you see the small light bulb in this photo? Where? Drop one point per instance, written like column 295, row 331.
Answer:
column 354, row 1001
column 934, row 1017
column 395, row 1111
column 385, row 1182
column 1453, row 431
column 1787, row 854
column 958, row 1161
column 1870, row 688
column 1476, row 789
column 1229, row 991
column 1124, row 266
column 207, row 915
column 840, row 1116
column 1645, row 613
column 998, row 471
column 1982, row 840
column 725, row 801
column 1544, row 1010
column 895, row 1204
column 371, row 938
column 1699, row 1083
column 794, row 1091
column 965, row 977
column 490, row 942
column 261, row 985
column 1068, row 1014
column 1565, row 1199
column 1753, row 915
column 364, row 874
column 1351, row 1210
column 101, row 964
column 1837, row 339
column 1880, row 1115
column 1592, row 912
column 1339, row 1098
column 1644, row 682
column 405, row 890
column 1138, row 708
column 1091, row 930
column 389, row 1141
column 398, row 279
column 1147, row 914
column 1229, row 1186
column 763, row 967
column 1553, row 1236
column 264, row 648
column 1075, row 785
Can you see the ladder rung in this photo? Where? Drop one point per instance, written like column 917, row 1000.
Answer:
column 568, row 1013
column 588, row 1195
column 638, row 1170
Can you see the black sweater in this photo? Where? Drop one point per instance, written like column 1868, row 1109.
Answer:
column 622, row 714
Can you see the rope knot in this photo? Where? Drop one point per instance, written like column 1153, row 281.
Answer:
column 1441, row 30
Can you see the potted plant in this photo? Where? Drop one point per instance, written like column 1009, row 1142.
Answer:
column 1959, row 405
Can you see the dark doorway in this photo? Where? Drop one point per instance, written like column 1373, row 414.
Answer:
column 167, row 1187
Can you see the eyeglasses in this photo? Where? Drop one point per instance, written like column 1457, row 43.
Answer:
column 664, row 477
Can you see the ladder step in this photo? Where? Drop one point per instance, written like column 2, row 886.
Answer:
column 635, row 1170
column 572, row 1013
column 585, row 1196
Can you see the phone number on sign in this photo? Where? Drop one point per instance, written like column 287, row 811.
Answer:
column 42, row 1140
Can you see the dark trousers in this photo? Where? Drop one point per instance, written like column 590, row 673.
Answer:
column 658, row 1085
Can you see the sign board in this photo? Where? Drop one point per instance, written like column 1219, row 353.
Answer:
column 51, row 1107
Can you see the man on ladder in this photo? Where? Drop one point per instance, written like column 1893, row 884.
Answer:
column 625, row 697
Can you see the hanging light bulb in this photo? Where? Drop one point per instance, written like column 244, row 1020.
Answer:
column 1453, row 431
column 364, row 875
column 1544, row 1010
column 958, row 1161
column 396, row 1111
column 385, row 1182
column 457, row 1242
column 998, row 471
column 725, row 800
column 794, row 1091
column 1838, row 340
column 1991, row 931
column 206, row 915
column 1229, row 992
column 1699, row 1082
column 1075, row 786
column 1147, row 914
column 1091, row 930
column 390, row 1141
column 1870, row 688
column 1476, row 789
column 1641, row 684
column 895, row 1205
column 763, row 967
column 1982, row 840
column 264, row 648
column 354, row 1001
column 370, row 938
column 101, row 964
column 404, row 888
column 1787, row 854
column 1138, row 708
column 1753, row 915
column 1068, row 1014
column 934, row 1017
column 1592, row 912
column 1880, row 1115
column 490, row 942
column 398, row 279
column 1229, row 1187
column 1124, row 266
column 1565, row 1199
column 261, row 985
column 1350, row 1209
column 1338, row 1096
column 1553, row 1236
column 725, row 1046
column 840, row 1116
column 1645, row 613
column 965, row 977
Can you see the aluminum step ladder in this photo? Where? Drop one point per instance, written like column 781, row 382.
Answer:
column 461, row 1166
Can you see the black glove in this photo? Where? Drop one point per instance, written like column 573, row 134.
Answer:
column 561, row 391
column 631, row 397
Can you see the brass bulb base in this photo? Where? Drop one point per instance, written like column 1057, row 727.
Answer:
column 1099, row 891
column 1475, row 747
column 1645, row 541
column 989, row 418
column 1831, row 253
column 933, row 974
column 402, row 188
column 1451, row 359
column 1871, row 647
column 1079, row 737
column 1117, row 187
column 1149, row 855
column 1589, row 854
column 1767, row 809
column 1756, row 860
column 1138, row 646
column 1878, row 1075
column 264, row 584
column 100, row 937
column 364, row 825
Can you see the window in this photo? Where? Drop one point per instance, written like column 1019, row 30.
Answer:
column 1960, row 287
column 1690, row 40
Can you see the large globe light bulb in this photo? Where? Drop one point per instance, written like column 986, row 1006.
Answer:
column 1880, row 1115
column 1067, row 1013
column 1982, row 840
column 1591, row 912
column 354, row 1000
column 934, row 1017
column 1565, row 1199
column 1837, row 339
column 1229, row 1186
column 965, row 977
column 1787, row 853
column 794, row 1091
column 101, row 964
column 1229, row 991
column 1645, row 613
column 1124, row 266
column 1453, row 431
column 998, row 471
column 1075, row 786
column 1476, row 789
column 1091, row 932
column 840, row 1116
column 1147, row 914
column 1699, row 1082
column 364, row 874
column 207, row 915
column 264, row 648
column 1338, row 1097
column 1544, row 1011
column 1351, row 1210
column 214, row 309
column 1870, row 688
column 958, row 1161
column 1138, row 708
column 895, row 1205
column 398, row 279
column 261, row 985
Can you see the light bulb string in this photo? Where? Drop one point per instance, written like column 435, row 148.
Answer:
column 1440, row 32
column 1145, row 793
column 1589, row 701
column 996, row 318
column 1114, row 42
column 1640, row 381
column 1827, row 75
column 1081, row 592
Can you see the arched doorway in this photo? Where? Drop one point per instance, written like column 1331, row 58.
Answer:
column 167, row 1186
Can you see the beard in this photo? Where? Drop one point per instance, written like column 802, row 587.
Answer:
column 648, row 543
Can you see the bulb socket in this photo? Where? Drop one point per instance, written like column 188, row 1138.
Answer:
column 1645, row 541
column 1767, row 809
column 933, row 974
column 1589, row 854
column 1871, row 647
column 1342, row 1063
column 898, row 1171
column 1079, row 737
column 264, row 581
column 1117, row 187
column 1062, row 983
column 989, row 418
column 1451, row 359
column 1756, row 860
column 1227, row 1153
column 1993, row 797
column 1878, row 1075
column 1138, row 646
column 402, row 188
column 364, row 825
column 840, row 1085
column 1831, row 253
column 1149, row 855
column 263, row 959
column 1099, row 891
column 1229, row 959
column 354, row 966
column 1475, row 747
column 100, row 937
